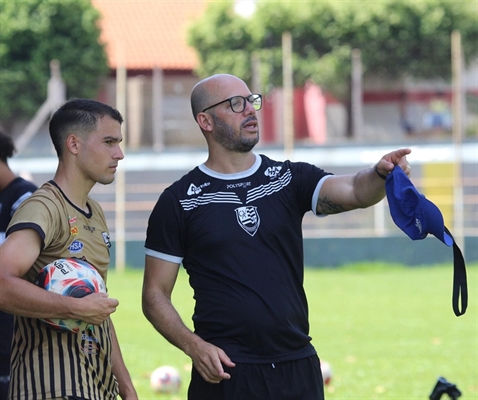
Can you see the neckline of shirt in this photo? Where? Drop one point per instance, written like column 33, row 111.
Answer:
column 237, row 175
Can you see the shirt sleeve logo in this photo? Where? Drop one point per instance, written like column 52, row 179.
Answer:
column 248, row 219
column 106, row 239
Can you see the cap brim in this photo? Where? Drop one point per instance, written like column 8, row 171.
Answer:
column 435, row 222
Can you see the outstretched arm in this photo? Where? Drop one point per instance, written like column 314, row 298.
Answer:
column 159, row 280
column 341, row 193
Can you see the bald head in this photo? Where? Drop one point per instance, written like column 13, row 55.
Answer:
column 213, row 89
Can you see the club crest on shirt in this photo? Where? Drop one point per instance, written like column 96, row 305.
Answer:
column 248, row 219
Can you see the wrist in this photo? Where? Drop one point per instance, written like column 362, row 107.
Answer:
column 384, row 177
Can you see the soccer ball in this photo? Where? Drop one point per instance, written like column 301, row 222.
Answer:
column 326, row 372
column 165, row 379
column 69, row 277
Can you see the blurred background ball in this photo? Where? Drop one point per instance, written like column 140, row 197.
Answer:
column 326, row 372
column 165, row 379
column 69, row 277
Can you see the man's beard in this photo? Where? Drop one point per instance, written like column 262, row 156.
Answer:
column 230, row 140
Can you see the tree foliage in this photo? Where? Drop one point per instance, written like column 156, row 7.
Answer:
column 397, row 38
column 223, row 40
column 33, row 32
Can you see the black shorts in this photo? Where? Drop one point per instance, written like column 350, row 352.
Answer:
column 290, row 380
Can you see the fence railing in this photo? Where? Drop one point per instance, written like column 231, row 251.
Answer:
column 147, row 175
column 143, row 188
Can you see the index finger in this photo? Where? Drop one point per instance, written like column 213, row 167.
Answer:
column 395, row 157
column 400, row 153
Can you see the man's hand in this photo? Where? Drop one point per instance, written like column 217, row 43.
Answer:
column 94, row 308
column 208, row 360
column 388, row 162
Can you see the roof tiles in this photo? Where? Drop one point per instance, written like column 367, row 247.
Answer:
column 148, row 33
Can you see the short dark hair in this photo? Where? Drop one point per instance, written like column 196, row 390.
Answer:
column 7, row 147
column 79, row 116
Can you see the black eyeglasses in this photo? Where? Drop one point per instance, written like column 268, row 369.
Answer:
column 238, row 103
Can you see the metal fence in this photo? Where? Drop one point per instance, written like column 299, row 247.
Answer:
column 146, row 175
column 143, row 187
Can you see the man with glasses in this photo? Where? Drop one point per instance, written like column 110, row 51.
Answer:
column 234, row 223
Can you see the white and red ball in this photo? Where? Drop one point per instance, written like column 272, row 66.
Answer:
column 69, row 277
column 165, row 379
column 326, row 372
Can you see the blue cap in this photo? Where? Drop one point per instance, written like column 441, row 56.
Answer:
column 417, row 216
column 411, row 211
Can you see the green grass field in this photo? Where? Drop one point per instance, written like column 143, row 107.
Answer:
column 387, row 332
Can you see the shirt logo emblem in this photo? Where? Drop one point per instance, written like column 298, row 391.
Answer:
column 272, row 172
column 106, row 238
column 76, row 247
column 193, row 189
column 238, row 185
column 89, row 344
column 89, row 228
column 248, row 219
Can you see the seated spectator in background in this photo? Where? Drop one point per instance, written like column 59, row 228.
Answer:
column 438, row 118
